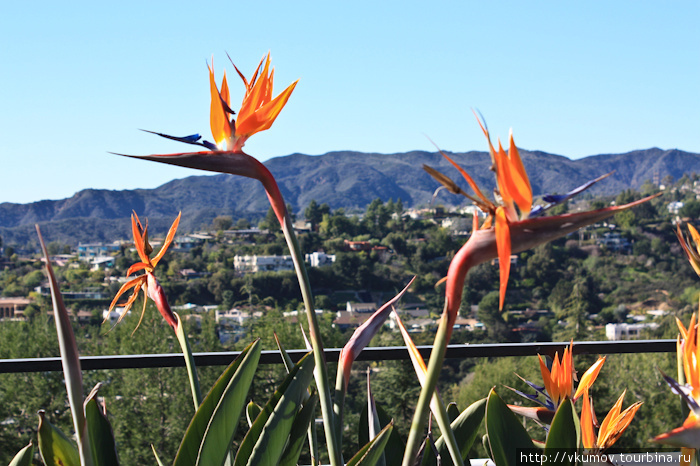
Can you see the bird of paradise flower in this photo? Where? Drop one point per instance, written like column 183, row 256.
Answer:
column 687, row 435
column 258, row 112
column 612, row 426
column 558, row 385
column 513, row 225
column 147, row 281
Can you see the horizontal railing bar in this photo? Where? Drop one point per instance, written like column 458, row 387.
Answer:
column 140, row 361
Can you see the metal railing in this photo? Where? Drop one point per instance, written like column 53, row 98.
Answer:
column 139, row 361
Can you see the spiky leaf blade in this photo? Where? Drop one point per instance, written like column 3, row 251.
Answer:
column 241, row 371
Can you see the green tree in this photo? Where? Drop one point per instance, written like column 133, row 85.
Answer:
column 690, row 209
column 242, row 224
column 270, row 221
column 492, row 318
column 222, row 222
column 314, row 213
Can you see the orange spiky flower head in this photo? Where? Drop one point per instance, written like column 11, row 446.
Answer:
column 148, row 281
column 258, row 109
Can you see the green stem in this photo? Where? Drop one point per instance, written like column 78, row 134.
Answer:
column 321, row 370
column 446, row 429
column 339, row 403
column 437, row 356
column 189, row 363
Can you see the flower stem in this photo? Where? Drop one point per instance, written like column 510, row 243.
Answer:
column 321, row 370
column 437, row 357
column 189, row 363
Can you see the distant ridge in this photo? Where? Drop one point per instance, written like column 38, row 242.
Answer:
column 342, row 179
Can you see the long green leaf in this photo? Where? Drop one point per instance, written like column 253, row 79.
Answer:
column 265, row 441
column 505, row 432
column 465, row 427
column 241, row 371
column 54, row 446
column 299, row 432
column 70, row 360
column 222, row 426
column 155, row 453
column 251, row 412
column 452, row 411
column 24, row 456
column 564, row 434
column 104, row 449
column 311, row 434
column 370, row 454
column 393, row 451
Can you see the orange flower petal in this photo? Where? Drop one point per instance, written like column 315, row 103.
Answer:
column 696, row 237
column 621, row 423
column 567, row 373
column 556, row 387
column 589, row 377
column 168, row 240
column 546, row 376
column 224, row 93
column 681, row 328
column 587, row 433
column 607, row 427
column 517, row 177
column 218, row 121
column 135, row 268
column 472, row 184
column 504, row 248
column 254, row 98
column 262, row 119
column 124, row 288
column 504, row 187
column 139, row 242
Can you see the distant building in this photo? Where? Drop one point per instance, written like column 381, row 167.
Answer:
column 102, row 262
column 90, row 293
column 13, row 308
column 674, row 207
column 235, row 318
column 114, row 315
column 346, row 320
column 187, row 243
column 191, row 273
column 319, row 259
column 614, row 242
column 90, row 251
column 254, row 264
column 356, row 246
column 360, row 308
column 627, row 331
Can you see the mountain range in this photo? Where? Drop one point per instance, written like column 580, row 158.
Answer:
column 346, row 179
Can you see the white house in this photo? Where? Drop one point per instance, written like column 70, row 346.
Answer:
column 627, row 331
column 256, row 264
column 114, row 316
column 319, row 259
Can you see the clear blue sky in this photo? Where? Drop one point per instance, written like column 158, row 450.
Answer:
column 573, row 78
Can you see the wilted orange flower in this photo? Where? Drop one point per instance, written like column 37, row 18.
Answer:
column 147, row 282
column 612, row 427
